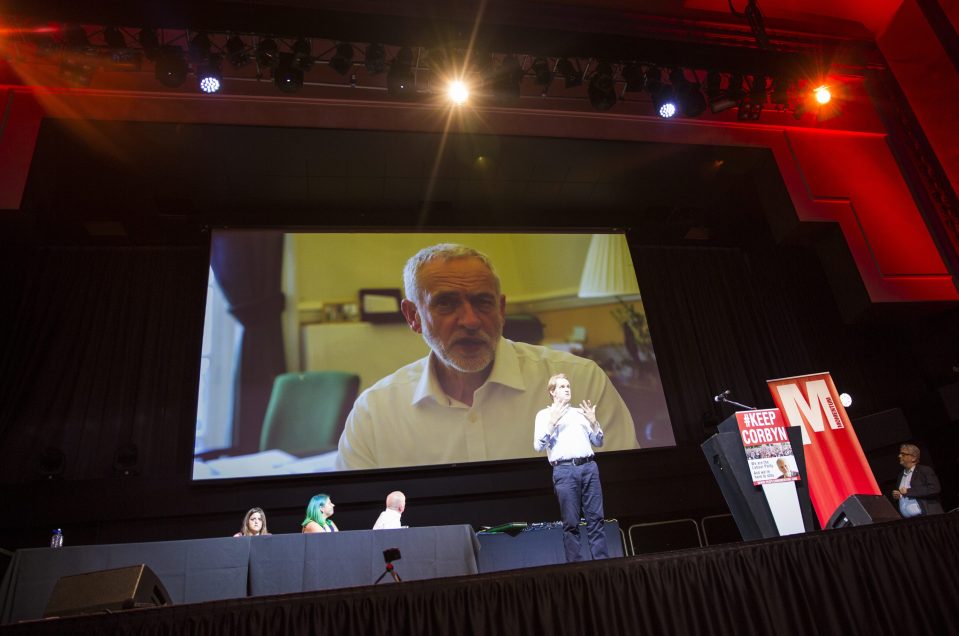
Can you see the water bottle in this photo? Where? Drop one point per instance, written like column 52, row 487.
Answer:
column 56, row 539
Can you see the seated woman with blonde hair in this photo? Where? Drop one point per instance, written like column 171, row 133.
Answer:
column 254, row 524
column 318, row 513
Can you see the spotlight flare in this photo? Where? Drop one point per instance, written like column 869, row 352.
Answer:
column 458, row 92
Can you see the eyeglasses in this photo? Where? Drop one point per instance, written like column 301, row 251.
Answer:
column 909, row 454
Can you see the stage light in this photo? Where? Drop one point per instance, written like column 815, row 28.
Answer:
column 458, row 92
column 171, row 68
column 689, row 99
column 799, row 110
column 123, row 60
column 602, row 87
column 714, row 85
column 149, row 42
column 209, row 75
column 752, row 107
column 287, row 77
column 667, row 110
column 75, row 37
column 237, row 52
column 634, row 77
column 114, row 37
column 779, row 93
column 374, row 59
column 507, row 79
column 822, row 94
column 342, row 60
column 757, row 90
column 541, row 71
column 76, row 72
column 400, row 81
column 571, row 74
column 749, row 111
column 199, row 48
column 302, row 55
column 731, row 97
column 267, row 53
column 845, row 399
column 46, row 45
column 662, row 94
column 718, row 99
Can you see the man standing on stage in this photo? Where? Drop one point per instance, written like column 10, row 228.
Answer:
column 918, row 491
column 568, row 434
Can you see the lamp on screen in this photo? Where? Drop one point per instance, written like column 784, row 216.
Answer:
column 609, row 268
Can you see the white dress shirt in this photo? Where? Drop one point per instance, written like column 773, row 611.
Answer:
column 406, row 419
column 389, row 518
column 573, row 437
column 908, row 506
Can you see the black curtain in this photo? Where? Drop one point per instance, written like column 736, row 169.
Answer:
column 248, row 267
column 99, row 356
column 716, row 324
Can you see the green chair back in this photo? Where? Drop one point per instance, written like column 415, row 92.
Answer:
column 307, row 411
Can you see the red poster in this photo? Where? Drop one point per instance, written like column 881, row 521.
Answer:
column 768, row 451
column 836, row 467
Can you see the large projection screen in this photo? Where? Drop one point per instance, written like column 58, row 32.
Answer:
column 309, row 366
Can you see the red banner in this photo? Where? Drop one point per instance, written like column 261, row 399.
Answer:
column 836, row 467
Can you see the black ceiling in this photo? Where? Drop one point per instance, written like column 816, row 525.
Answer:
column 505, row 27
column 147, row 180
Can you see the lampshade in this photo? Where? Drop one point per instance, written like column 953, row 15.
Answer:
column 609, row 268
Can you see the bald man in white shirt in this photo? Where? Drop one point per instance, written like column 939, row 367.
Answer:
column 391, row 517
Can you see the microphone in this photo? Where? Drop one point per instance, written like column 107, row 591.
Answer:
column 722, row 396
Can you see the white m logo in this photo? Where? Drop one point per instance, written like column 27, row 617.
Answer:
column 800, row 412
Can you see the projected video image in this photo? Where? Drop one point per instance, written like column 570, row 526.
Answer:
column 314, row 360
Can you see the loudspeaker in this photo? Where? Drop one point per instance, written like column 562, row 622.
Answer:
column 106, row 590
column 862, row 510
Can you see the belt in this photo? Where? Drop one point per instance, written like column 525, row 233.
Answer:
column 576, row 461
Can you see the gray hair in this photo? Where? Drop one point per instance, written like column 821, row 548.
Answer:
column 445, row 251
column 911, row 448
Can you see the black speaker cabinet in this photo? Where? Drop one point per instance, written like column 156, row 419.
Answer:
column 862, row 510
column 106, row 590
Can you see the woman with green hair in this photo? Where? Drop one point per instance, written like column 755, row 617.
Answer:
column 318, row 513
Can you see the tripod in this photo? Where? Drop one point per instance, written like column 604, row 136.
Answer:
column 391, row 571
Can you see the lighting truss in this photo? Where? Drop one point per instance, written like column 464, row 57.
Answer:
column 404, row 72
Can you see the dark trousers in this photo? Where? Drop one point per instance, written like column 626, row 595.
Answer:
column 578, row 488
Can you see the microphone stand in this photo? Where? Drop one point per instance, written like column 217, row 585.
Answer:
column 725, row 400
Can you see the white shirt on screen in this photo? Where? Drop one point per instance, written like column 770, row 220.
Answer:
column 406, row 419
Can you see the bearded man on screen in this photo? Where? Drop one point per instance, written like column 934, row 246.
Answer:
column 474, row 396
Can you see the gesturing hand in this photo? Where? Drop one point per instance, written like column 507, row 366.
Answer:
column 589, row 410
column 556, row 412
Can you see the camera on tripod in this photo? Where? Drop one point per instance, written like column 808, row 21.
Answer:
column 390, row 555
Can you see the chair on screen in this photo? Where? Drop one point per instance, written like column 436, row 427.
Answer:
column 307, row 411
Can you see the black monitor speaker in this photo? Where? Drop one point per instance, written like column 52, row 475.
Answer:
column 862, row 510
column 106, row 590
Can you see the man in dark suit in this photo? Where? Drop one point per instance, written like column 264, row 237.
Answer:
column 918, row 492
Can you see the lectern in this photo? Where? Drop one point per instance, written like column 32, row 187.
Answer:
column 747, row 502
